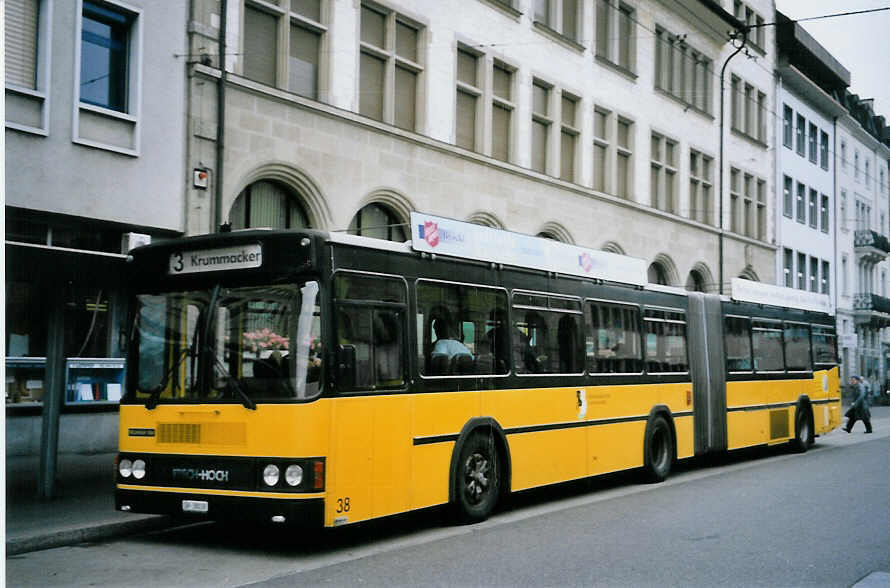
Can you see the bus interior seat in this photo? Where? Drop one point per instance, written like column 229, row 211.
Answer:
column 462, row 364
column 440, row 365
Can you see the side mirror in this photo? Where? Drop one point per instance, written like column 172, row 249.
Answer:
column 346, row 366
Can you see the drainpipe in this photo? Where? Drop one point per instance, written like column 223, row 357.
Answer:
column 836, row 220
column 220, row 118
column 734, row 37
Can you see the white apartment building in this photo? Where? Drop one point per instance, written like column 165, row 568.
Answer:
column 95, row 150
column 807, row 79
column 863, row 307
column 589, row 121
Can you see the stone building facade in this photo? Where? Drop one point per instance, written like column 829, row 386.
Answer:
column 594, row 122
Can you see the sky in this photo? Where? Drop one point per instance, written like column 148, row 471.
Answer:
column 861, row 43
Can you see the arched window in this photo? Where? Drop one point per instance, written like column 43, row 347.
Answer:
column 657, row 274
column 266, row 204
column 695, row 282
column 379, row 222
column 548, row 235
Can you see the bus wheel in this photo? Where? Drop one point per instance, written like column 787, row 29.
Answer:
column 659, row 450
column 477, row 479
column 802, row 432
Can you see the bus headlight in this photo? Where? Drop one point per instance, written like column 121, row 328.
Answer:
column 125, row 468
column 271, row 474
column 139, row 469
column 293, row 475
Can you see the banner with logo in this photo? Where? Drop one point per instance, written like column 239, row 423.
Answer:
column 443, row 236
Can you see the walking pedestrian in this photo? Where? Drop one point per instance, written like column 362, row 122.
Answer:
column 859, row 409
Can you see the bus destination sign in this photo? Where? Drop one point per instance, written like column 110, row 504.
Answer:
column 215, row 260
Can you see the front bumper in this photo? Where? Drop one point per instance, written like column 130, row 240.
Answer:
column 304, row 512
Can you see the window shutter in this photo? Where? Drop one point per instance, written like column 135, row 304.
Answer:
column 21, row 43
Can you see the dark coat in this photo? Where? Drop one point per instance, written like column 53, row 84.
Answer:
column 860, row 403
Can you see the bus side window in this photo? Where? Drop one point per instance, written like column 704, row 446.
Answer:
column 665, row 341
column 768, row 350
column 370, row 334
column 737, row 335
column 456, row 331
column 615, row 346
column 797, row 347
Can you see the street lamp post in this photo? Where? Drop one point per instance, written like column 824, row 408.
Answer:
column 734, row 38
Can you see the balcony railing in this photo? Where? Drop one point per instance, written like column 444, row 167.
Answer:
column 872, row 309
column 869, row 238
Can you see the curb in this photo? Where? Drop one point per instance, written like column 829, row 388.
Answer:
column 75, row 535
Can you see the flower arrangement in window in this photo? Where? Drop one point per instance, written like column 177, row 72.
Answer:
column 265, row 340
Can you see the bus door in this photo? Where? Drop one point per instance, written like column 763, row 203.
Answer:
column 370, row 444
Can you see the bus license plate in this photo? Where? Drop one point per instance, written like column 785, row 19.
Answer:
column 194, row 506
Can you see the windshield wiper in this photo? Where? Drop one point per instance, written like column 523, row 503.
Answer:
column 231, row 381
column 155, row 395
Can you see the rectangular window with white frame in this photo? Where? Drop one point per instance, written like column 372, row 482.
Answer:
column 390, row 67
column 468, row 98
column 615, row 33
column 787, row 126
column 823, row 150
column 108, row 76
column 613, row 147
column 814, row 275
column 788, row 197
column 814, row 131
column 801, row 203
column 801, row 271
column 502, row 109
column 801, row 134
column 27, row 59
column 845, row 281
column 760, row 222
column 748, row 109
column 569, row 133
column 788, row 268
column 560, row 16
column 682, row 71
column 826, row 278
column 105, row 56
column 735, row 200
column 282, row 44
column 663, row 178
column 700, row 187
column 602, row 144
column 813, row 203
column 541, row 123
column 825, row 214
column 624, row 158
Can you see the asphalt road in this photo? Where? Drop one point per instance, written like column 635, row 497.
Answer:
column 757, row 518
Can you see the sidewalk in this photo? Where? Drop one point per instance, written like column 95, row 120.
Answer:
column 83, row 509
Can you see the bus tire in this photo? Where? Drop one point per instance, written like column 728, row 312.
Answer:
column 477, row 479
column 803, row 429
column 658, row 452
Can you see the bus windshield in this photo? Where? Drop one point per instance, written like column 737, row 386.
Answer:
column 248, row 345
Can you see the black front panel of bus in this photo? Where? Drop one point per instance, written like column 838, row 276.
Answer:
column 287, row 256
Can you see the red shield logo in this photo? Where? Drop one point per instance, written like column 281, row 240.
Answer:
column 431, row 233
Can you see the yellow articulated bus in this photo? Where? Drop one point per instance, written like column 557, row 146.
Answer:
column 302, row 377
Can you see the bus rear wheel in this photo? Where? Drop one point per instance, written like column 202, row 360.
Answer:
column 477, row 483
column 658, row 450
column 802, row 430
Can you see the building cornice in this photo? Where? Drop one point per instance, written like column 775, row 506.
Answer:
column 808, row 90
